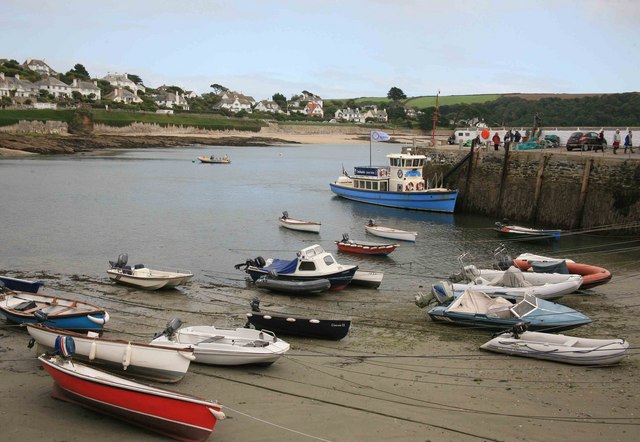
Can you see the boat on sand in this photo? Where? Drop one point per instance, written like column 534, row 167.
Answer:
column 592, row 275
column 143, row 277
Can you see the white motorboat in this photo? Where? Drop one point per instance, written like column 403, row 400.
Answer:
column 155, row 363
column 143, row 277
column 559, row 348
column 390, row 232
column 367, row 278
column 222, row 346
column 298, row 224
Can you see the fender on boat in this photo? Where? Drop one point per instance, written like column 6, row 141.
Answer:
column 217, row 414
column 100, row 321
column 126, row 360
column 92, row 351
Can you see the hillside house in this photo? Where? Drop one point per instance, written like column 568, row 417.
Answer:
column 54, row 86
column 300, row 104
column 268, row 106
column 376, row 115
column 88, row 89
column 351, row 115
column 14, row 87
column 122, row 80
column 122, row 95
column 38, row 66
column 171, row 100
column 235, row 102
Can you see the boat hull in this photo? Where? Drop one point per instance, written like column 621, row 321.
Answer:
column 300, row 226
column 366, row 278
column 21, row 285
column 547, row 291
column 175, row 415
column 365, row 248
column 126, row 358
column 338, row 280
column 391, row 233
column 431, row 201
column 525, row 233
column 288, row 325
column 592, row 276
column 293, row 287
column 149, row 282
column 560, row 348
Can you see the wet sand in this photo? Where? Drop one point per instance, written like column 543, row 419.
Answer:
column 396, row 376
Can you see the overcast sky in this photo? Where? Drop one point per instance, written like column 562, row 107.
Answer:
column 338, row 49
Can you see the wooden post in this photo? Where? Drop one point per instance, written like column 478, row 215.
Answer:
column 583, row 192
column 538, row 191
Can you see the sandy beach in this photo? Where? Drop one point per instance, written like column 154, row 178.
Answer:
column 396, row 376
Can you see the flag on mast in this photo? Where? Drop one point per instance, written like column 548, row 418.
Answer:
column 378, row 135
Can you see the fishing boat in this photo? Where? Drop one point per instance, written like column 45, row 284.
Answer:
column 311, row 263
column 559, row 348
column 333, row 329
column 20, row 285
column 399, row 184
column 172, row 414
column 367, row 278
column 293, row 287
column 473, row 308
column 215, row 160
column 364, row 247
column 143, row 277
column 526, row 233
column 513, row 283
column 592, row 275
column 224, row 346
column 298, row 224
column 136, row 359
column 390, row 232
column 53, row 311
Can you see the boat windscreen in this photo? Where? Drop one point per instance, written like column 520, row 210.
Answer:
column 524, row 307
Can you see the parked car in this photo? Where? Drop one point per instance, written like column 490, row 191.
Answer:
column 586, row 141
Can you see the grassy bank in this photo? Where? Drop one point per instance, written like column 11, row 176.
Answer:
column 123, row 118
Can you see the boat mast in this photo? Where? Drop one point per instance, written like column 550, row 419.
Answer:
column 435, row 121
column 370, row 136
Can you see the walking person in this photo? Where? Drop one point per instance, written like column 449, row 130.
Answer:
column 628, row 142
column 496, row 142
column 616, row 141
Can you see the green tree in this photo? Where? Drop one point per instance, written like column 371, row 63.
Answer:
column 396, row 94
column 80, row 72
column 135, row 78
column 218, row 88
column 280, row 100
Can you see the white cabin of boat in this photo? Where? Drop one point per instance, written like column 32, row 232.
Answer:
column 403, row 174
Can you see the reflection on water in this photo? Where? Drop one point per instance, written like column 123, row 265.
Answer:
column 162, row 207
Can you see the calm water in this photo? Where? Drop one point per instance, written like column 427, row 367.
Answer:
column 70, row 215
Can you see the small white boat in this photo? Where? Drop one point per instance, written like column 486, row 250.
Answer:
column 222, row 346
column 559, row 348
column 154, row 363
column 143, row 277
column 298, row 224
column 390, row 232
column 367, row 278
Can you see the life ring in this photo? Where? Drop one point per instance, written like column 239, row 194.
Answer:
column 399, row 173
column 409, row 187
column 420, row 186
column 383, row 172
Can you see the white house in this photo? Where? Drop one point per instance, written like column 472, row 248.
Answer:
column 14, row 87
column 307, row 104
column 54, row 86
column 122, row 80
column 376, row 115
column 349, row 114
column 38, row 66
column 171, row 100
column 268, row 106
column 87, row 88
column 235, row 102
column 121, row 95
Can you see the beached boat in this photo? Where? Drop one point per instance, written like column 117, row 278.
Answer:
column 172, row 414
column 20, row 285
column 293, row 287
column 390, row 232
column 53, row 311
column 526, row 233
column 215, row 160
column 474, row 308
column 136, row 359
column 334, row 329
column 143, row 277
column 224, row 346
column 592, row 275
column 298, row 224
column 399, row 184
column 559, row 348
column 367, row 278
column 513, row 283
column 364, row 247
column 311, row 263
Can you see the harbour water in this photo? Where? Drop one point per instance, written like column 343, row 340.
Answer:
column 71, row 214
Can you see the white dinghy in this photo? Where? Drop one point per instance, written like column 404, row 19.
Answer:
column 390, row 232
column 143, row 277
column 298, row 224
column 221, row 346
column 558, row 348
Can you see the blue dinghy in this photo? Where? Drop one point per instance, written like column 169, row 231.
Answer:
column 21, row 285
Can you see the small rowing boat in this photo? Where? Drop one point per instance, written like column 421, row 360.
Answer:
column 390, row 232
column 364, row 247
column 526, row 233
column 20, row 285
column 298, row 224
column 215, row 160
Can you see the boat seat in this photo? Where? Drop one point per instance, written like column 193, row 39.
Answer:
column 25, row 306
column 256, row 344
column 212, row 339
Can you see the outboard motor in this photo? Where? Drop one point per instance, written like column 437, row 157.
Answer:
column 65, row 347
column 40, row 316
column 371, row 223
column 260, row 262
column 443, row 292
column 121, row 262
column 171, row 328
column 345, row 237
column 255, row 305
column 285, row 215
column 257, row 262
column 518, row 329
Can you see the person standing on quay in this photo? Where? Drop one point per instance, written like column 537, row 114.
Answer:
column 628, row 142
column 496, row 141
column 616, row 141
column 507, row 139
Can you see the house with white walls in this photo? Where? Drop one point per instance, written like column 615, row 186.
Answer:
column 123, row 80
column 54, row 86
column 122, row 95
column 86, row 88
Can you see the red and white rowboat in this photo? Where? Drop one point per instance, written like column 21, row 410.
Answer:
column 364, row 247
column 178, row 416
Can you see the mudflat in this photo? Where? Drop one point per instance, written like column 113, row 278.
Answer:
column 396, row 376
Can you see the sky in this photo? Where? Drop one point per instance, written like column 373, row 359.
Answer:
column 338, row 49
